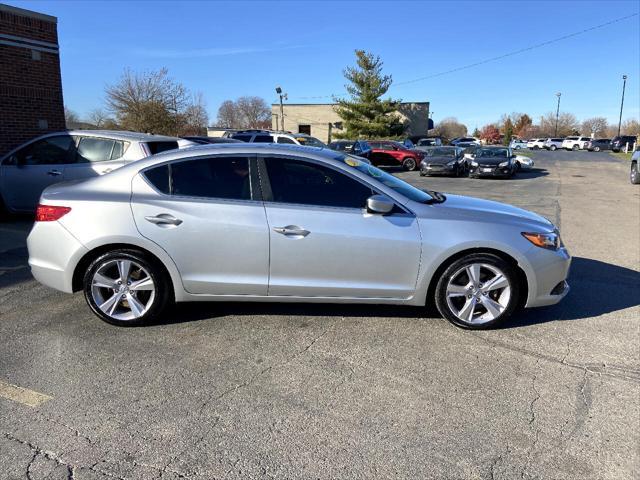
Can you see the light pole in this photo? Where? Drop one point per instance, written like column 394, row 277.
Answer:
column 624, row 84
column 557, row 112
column 282, row 96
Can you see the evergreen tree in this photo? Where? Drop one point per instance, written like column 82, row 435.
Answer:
column 507, row 131
column 366, row 114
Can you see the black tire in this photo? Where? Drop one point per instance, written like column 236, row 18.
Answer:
column 409, row 164
column 615, row 150
column 553, row 148
column 536, row 147
column 513, row 293
column 634, row 174
column 422, row 174
column 575, row 148
column 596, row 149
column 163, row 293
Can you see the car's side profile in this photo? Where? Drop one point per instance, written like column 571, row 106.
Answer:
column 295, row 224
column 553, row 143
column 71, row 155
column 536, row 143
column 575, row 143
column 598, row 144
column 387, row 152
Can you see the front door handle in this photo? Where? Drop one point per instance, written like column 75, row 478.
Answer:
column 292, row 231
column 54, row 173
column 163, row 219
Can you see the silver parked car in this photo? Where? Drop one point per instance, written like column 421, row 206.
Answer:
column 264, row 222
column 71, row 155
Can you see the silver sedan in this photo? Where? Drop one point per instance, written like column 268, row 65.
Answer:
column 263, row 222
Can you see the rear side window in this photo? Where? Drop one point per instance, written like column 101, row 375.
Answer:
column 226, row 177
column 157, row 147
column 263, row 139
column 92, row 149
column 286, row 140
column 299, row 182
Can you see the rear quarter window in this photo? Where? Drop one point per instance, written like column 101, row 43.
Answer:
column 159, row 178
column 162, row 146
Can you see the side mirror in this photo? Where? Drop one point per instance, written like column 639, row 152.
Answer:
column 379, row 204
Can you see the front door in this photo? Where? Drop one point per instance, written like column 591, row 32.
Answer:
column 27, row 172
column 325, row 244
column 205, row 215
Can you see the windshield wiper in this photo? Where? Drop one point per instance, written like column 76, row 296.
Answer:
column 436, row 197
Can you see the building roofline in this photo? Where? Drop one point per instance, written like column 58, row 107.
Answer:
column 27, row 13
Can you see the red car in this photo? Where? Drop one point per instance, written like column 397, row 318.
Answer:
column 386, row 152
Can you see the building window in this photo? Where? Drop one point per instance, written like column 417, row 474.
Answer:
column 306, row 129
column 35, row 55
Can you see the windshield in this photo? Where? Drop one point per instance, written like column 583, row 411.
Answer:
column 492, row 152
column 388, row 180
column 310, row 141
column 441, row 152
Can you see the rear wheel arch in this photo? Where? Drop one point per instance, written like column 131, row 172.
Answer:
column 522, row 277
column 89, row 257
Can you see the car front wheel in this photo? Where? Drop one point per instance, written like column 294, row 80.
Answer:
column 596, row 149
column 409, row 164
column 126, row 288
column 552, row 148
column 478, row 291
column 634, row 175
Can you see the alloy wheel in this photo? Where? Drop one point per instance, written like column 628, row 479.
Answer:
column 478, row 293
column 123, row 289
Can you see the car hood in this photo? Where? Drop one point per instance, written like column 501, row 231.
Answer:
column 439, row 160
column 458, row 207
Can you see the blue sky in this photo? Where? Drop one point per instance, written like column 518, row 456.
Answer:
column 229, row 49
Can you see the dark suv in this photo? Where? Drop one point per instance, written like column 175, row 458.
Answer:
column 387, row 152
column 618, row 143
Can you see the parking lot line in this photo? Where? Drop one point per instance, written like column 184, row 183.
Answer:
column 22, row 395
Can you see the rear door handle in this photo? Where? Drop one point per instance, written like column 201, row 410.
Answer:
column 292, row 231
column 54, row 173
column 163, row 219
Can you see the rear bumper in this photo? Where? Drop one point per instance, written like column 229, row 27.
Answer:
column 53, row 254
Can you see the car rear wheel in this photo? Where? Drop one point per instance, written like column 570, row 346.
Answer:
column 575, row 148
column 126, row 288
column 634, row 175
column 596, row 149
column 409, row 164
column 478, row 291
column 552, row 148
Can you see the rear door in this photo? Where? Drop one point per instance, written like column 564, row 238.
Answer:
column 27, row 172
column 325, row 244
column 94, row 156
column 206, row 213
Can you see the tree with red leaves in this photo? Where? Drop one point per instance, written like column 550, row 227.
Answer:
column 490, row 134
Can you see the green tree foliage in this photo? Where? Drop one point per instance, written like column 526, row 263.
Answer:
column 366, row 114
column 507, row 131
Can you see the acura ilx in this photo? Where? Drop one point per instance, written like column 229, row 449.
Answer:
column 263, row 222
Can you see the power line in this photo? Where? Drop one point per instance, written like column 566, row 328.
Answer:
column 499, row 57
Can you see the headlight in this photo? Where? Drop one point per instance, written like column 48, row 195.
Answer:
column 474, row 163
column 550, row 241
column 504, row 164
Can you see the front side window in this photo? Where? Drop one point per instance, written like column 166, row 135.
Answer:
column 242, row 138
column 48, row 151
column 92, row 149
column 306, row 183
column 217, row 177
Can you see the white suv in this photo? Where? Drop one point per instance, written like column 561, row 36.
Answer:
column 553, row 143
column 71, row 155
column 536, row 143
column 575, row 143
column 270, row 136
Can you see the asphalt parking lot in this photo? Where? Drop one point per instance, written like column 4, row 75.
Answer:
column 317, row 391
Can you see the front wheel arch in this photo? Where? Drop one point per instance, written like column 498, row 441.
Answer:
column 522, row 277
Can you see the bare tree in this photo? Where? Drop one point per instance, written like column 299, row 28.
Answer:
column 71, row 119
column 148, row 102
column 195, row 118
column 245, row 112
column 630, row 126
column 97, row 117
column 596, row 126
column 567, row 124
column 228, row 115
column 449, row 128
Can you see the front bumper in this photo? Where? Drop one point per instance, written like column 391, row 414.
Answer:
column 548, row 284
column 437, row 169
column 490, row 171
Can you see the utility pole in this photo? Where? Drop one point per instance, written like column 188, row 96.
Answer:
column 624, row 84
column 330, row 128
column 557, row 112
column 282, row 96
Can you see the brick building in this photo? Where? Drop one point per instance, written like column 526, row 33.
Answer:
column 30, row 81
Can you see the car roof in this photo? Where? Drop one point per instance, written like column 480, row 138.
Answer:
column 114, row 134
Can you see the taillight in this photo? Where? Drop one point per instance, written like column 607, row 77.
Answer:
column 50, row 213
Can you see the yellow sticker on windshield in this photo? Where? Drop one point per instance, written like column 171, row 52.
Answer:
column 352, row 162
column 374, row 172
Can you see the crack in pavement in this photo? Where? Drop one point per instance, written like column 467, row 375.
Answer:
column 255, row 376
column 532, row 422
